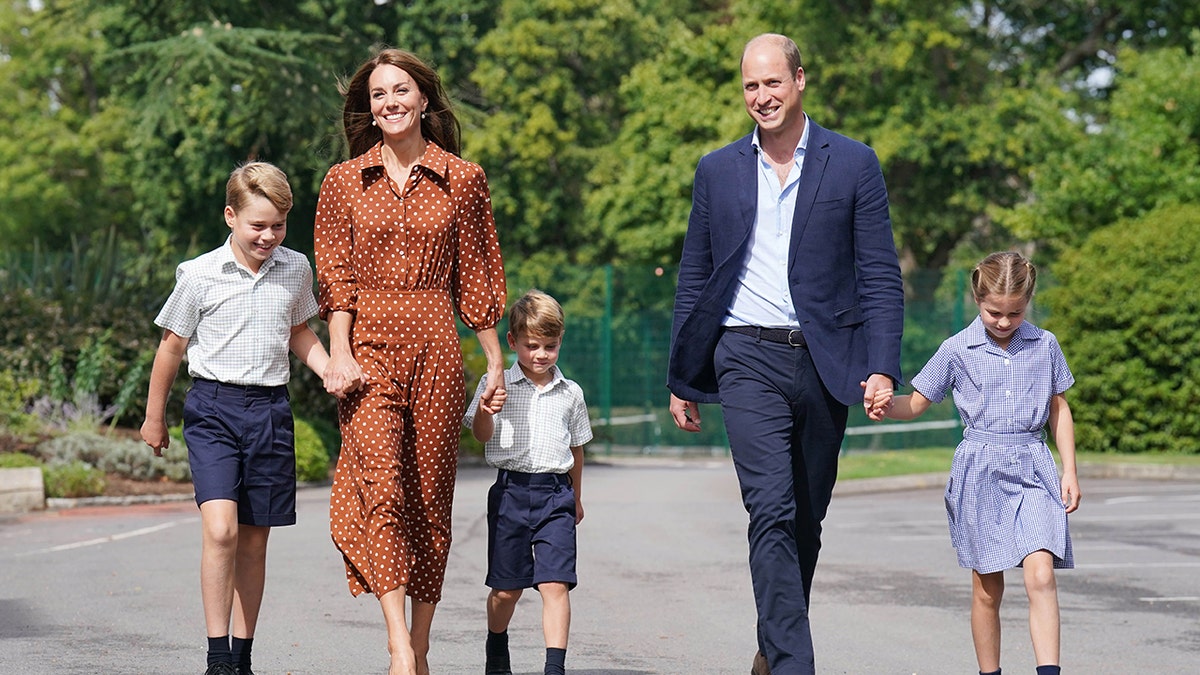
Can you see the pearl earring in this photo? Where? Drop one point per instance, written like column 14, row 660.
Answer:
column 374, row 123
column 423, row 115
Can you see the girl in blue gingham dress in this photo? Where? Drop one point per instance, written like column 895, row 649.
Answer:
column 1006, row 505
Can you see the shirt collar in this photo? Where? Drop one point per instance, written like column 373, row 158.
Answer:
column 435, row 159
column 518, row 375
column 977, row 335
column 801, row 147
column 229, row 263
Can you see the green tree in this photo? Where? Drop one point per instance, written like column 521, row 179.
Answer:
column 1140, row 153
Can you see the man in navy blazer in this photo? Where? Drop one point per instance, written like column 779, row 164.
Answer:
column 789, row 309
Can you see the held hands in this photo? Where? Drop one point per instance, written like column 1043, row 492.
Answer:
column 342, row 376
column 878, row 397
column 494, row 394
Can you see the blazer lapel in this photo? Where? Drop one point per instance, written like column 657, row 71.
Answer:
column 816, row 157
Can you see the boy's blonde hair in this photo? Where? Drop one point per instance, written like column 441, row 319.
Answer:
column 536, row 314
column 1004, row 274
column 258, row 178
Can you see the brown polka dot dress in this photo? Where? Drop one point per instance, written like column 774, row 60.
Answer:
column 403, row 260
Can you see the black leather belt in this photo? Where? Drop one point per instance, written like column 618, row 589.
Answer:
column 788, row 336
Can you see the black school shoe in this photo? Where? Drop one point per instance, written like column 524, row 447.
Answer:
column 242, row 670
column 221, row 669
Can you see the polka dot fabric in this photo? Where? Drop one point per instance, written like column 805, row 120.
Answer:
column 404, row 261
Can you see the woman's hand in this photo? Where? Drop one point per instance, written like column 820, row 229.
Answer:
column 342, row 375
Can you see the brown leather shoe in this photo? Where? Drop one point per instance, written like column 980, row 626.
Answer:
column 760, row 665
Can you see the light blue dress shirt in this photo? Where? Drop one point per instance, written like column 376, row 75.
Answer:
column 763, row 297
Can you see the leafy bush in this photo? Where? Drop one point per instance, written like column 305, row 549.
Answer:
column 1127, row 313
column 15, row 395
column 73, row 479
column 123, row 456
column 18, row 460
column 312, row 459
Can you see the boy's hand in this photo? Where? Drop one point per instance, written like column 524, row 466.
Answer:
column 578, row 510
column 493, row 403
column 154, row 433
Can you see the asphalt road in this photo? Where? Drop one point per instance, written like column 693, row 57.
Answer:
column 663, row 588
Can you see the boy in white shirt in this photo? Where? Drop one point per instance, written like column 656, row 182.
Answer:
column 536, row 443
column 236, row 311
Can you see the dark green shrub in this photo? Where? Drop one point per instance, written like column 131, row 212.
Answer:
column 1127, row 312
column 312, row 460
column 74, row 479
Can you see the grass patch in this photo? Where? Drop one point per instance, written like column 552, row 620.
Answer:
column 1141, row 458
column 876, row 464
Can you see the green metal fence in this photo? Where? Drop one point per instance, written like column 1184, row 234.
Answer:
column 618, row 336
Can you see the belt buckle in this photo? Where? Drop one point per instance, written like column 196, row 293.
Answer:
column 799, row 333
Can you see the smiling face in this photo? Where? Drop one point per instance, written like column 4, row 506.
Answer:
column 396, row 102
column 257, row 228
column 1002, row 315
column 771, row 89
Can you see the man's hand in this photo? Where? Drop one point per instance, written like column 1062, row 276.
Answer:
column 685, row 413
column 877, row 396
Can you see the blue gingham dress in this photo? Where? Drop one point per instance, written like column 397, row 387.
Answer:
column 1003, row 497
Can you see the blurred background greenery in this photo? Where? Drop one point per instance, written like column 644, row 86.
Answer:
column 1067, row 129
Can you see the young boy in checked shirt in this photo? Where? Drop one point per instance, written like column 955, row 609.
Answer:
column 236, row 311
column 536, row 443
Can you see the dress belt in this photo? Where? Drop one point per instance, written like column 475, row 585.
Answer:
column 787, row 336
column 1018, row 438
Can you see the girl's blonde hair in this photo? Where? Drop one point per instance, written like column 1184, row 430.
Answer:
column 1005, row 273
column 258, row 179
column 536, row 314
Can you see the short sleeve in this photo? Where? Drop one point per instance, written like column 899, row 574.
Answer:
column 181, row 312
column 937, row 377
column 469, row 418
column 305, row 306
column 478, row 284
column 579, row 426
column 1060, row 373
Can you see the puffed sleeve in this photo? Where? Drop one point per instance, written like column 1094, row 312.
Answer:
column 333, row 241
column 478, row 285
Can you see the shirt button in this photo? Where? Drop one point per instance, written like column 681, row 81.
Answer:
column 1008, row 393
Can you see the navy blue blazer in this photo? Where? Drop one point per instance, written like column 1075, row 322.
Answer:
column 842, row 267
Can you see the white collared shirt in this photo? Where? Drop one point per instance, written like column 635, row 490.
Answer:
column 763, row 297
column 538, row 426
column 238, row 323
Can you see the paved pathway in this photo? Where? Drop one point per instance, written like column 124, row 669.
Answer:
column 664, row 586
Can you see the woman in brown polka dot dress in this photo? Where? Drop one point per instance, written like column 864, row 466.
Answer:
column 404, row 240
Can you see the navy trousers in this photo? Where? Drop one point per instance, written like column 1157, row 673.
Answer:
column 785, row 433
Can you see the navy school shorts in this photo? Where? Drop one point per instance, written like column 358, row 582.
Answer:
column 531, row 530
column 241, row 446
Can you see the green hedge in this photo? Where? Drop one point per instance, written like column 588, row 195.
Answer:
column 1127, row 312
